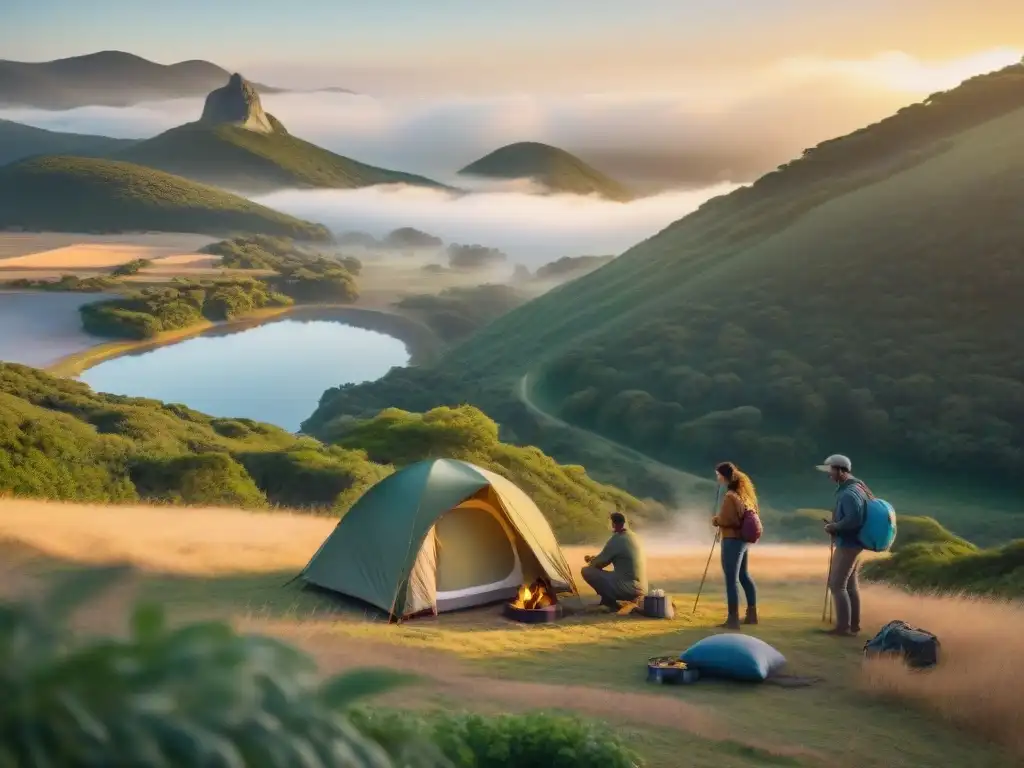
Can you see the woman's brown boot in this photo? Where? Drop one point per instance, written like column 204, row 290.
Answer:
column 751, row 617
column 733, row 622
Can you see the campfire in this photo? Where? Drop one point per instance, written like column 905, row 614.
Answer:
column 535, row 596
column 534, row 604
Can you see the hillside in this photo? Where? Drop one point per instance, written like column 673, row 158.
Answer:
column 555, row 168
column 18, row 141
column 74, row 194
column 106, row 78
column 235, row 144
column 863, row 298
column 61, row 440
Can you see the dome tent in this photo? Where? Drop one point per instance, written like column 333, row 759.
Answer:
column 436, row 536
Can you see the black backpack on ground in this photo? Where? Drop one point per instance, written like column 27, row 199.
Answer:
column 918, row 647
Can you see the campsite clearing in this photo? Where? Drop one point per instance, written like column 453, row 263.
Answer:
column 233, row 564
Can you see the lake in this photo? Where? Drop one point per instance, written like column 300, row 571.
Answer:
column 275, row 372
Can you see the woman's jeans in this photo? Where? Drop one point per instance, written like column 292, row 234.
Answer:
column 734, row 565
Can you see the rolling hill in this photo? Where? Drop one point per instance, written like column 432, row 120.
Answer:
column 18, row 141
column 236, row 145
column 76, row 194
column 106, row 78
column 555, row 168
column 863, row 298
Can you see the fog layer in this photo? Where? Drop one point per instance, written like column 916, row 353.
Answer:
column 531, row 229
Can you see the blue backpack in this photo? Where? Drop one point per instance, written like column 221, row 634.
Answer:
column 879, row 529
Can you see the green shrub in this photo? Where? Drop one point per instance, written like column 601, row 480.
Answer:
column 312, row 477
column 181, row 304
column 201, row 478
column 132, row 267
column 954, row 566
column 924, row 530
column 576, row 506
column 65, row 283
column 503, row 741
column 197, row 696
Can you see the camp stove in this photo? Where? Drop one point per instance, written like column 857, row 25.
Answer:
column 535, row 604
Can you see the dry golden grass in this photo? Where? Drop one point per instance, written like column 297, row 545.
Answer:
column 18, row 244
column 978, row 682
column 176, row 540
column 92, row 256
column 200, row 541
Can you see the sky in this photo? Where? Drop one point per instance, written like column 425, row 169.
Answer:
column 469, row 46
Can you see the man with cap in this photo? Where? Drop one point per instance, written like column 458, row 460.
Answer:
column 847, row 520
column 624, row 553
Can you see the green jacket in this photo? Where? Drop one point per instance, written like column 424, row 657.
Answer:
column 626, row 555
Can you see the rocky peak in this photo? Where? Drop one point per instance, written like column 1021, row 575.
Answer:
column 237, row 103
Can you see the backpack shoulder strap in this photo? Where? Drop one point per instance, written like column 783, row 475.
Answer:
column 867, row 491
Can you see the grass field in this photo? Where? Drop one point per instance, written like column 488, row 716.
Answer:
column 231, row 564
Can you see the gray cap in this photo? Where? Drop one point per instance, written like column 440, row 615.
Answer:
column 837, row 461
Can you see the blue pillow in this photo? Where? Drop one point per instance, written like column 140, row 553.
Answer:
column 736, row 657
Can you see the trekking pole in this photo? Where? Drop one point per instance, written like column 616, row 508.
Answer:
column 718, row 495
column 826, row 607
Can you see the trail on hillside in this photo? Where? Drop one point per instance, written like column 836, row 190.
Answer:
column 686, row 487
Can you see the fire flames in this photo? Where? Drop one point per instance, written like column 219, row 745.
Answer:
column 534, row 596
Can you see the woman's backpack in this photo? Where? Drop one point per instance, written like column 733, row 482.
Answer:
column 750, row 525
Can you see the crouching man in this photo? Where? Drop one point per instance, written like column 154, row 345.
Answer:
column 627, row 581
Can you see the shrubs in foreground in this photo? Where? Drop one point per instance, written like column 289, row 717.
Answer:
column 203, row 696
column 501, row 741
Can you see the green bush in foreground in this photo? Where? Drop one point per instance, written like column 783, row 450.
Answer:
column 200, row 695
column 203, row 696
column 503, row 741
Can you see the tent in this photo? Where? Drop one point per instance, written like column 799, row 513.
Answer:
column 437, row 536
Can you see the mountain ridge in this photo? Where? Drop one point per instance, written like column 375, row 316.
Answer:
column 108, row 78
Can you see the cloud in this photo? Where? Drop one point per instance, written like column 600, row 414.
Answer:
column 899, row 71
column 531, row 229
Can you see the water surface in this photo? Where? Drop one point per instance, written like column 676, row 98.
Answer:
column 274, row 372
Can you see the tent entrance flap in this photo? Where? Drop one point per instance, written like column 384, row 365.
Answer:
column 477, row 557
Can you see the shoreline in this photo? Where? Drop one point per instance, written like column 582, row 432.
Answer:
column 421, row 342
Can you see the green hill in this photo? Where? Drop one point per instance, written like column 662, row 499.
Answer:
column 863, row 298
column 61, row 440
column 18, row 141
column 75, row 194
column 555, row 168
column 236, row 158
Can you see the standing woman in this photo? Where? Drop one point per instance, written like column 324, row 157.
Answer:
column 739, row 496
